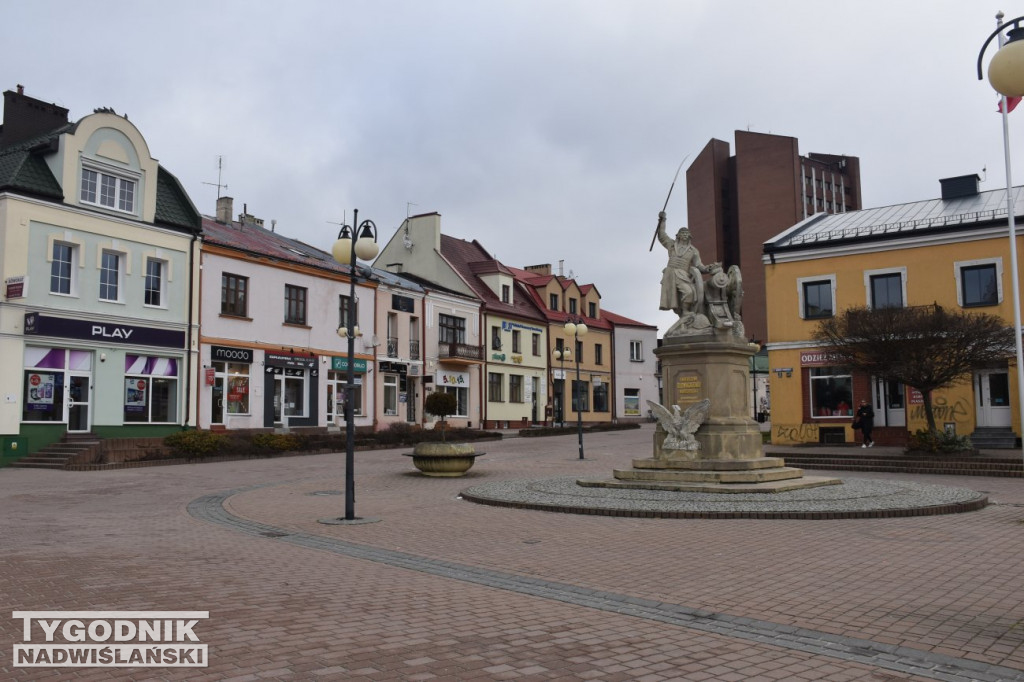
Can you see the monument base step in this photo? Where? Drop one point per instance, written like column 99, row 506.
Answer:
column 677, row 476
column 709, row 464
column 713, row 487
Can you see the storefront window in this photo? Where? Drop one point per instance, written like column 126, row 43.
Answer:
column 601, row 397
column 43, row 396
column 831, row 392
column 234, row 376
column 581, row 396
column 150, row 389
column 461, row 396
column 45, row 381
column 336, row 383
column 631, row 402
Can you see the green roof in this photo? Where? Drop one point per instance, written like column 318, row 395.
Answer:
column 23, row 169
column 173, row 206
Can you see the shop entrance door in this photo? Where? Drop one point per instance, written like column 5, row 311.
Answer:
column 78, row 398
column 890, row 403
column 992, row 398
column 534, row 391
column 217, row 413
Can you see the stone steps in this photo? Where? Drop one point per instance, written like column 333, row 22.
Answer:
column 57, row 455
column 907, row 464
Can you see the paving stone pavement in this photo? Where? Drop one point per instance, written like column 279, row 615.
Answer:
column 444, row 589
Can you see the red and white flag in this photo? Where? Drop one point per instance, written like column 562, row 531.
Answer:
column 1011, row 104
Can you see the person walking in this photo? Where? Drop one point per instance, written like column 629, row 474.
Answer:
column 866, row 421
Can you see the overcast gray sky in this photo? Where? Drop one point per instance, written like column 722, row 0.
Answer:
column 548, row 130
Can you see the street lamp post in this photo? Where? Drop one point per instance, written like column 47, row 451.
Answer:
column 576, row 331
column 1006, row 75
column 346, row 249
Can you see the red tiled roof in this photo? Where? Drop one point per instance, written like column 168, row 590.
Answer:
column 258, row 241
column 469, row 259
column 620, row 321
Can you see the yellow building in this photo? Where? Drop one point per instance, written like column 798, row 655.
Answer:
column 953, row 251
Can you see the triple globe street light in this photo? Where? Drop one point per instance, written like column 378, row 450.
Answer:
column 346, row 250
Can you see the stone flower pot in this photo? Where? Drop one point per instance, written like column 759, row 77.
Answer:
column 443, row 459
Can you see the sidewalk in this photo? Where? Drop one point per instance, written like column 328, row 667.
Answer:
column 444, row 589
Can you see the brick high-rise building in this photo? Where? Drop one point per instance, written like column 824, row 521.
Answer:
column 736, row 203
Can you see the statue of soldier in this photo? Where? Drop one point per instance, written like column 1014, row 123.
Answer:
column 682, row 284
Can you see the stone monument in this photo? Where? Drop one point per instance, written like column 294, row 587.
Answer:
column 706, row 441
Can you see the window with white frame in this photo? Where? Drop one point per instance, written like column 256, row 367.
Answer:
column 108, row 190
column 817, row 296
column 63, row 262
column 390, row 394
column 979, row 282
column 155, row 274
column 636, row 351
column 110, row 275
column 886, row 288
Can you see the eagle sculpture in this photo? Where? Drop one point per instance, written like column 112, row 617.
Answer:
column 680, row 426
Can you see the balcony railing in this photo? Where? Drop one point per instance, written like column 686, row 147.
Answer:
column 414, row 349
column 392, row 347
column 459, row 351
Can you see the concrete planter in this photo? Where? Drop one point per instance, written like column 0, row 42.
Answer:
column 443, row 459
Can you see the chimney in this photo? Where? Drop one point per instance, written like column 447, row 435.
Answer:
column 544, row 269
column 247, row 218
column 26, row 117
column 225, row 206
column 960, row 186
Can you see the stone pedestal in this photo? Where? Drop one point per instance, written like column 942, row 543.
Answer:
column 715, row 366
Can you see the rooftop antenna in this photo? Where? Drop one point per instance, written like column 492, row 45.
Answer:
column 409, row 205
column 218, row 185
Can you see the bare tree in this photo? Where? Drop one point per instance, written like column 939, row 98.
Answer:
column 925, row 347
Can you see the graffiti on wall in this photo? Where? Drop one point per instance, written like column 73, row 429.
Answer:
column 795, row 433
column 945, row 410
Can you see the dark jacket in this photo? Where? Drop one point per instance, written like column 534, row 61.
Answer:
column 866, row 415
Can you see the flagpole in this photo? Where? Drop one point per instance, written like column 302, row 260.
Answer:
column 1014, row 273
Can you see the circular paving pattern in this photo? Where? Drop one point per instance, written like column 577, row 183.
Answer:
column 855, row 498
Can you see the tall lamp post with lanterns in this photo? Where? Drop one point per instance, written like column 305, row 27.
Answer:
column 346, row 250
column 1006, row 75
column 576, row 331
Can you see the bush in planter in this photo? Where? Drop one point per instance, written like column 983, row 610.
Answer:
column 194, row 443
column 939, row 442
column 441, row 404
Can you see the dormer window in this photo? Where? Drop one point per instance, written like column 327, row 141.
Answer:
column 108, row 190
column 506, row 293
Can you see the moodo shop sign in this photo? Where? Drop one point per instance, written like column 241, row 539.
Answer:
column 44, row 325
column 228, row 354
